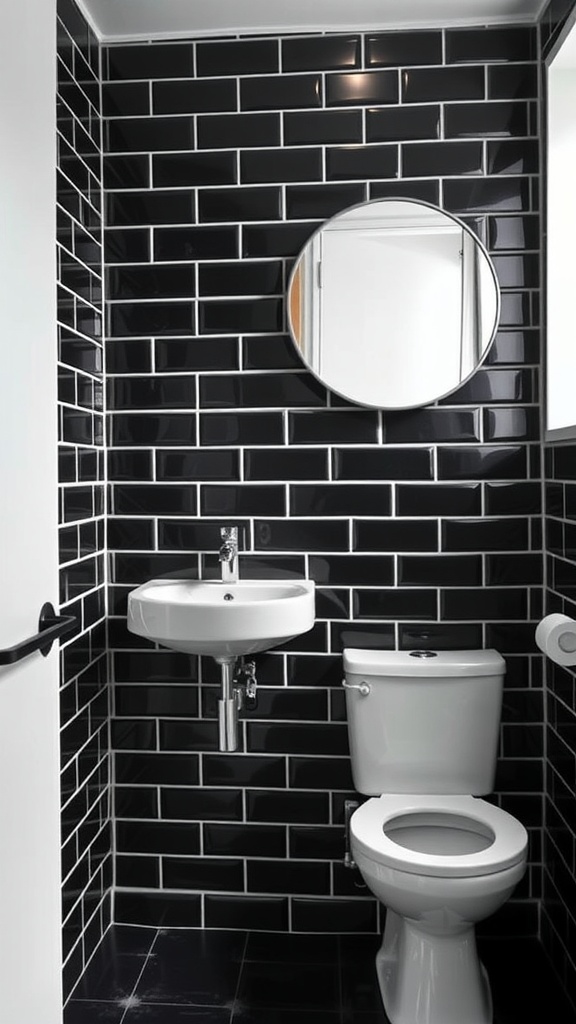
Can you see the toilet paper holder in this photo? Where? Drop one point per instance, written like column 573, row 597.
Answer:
column 556, row 638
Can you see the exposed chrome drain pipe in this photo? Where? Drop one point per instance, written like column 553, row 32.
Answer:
column 228, row 707
column 234, row 698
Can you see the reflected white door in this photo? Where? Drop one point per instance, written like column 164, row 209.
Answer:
column 30, row 944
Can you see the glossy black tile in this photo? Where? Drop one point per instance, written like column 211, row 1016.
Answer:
column 483, row 462
column 395, row 535
column 152, row 282
column 505, row 569
column 340, row 499
column 188, row 735
column 131, row 429
column 187, row 169
column 241, row 278
column 361, row 162
column 438, row 499
column 276, row 239
column 395, row 604
column 485, row 535
column 440, row 570
column 241, row 911
column 193, row 97
column 130, row 246
column 250, row 499
column 173, row 355
column 149, row 134
column 487, row 194
column 491, row 44
column 128, row 318
column 275, row 737
column 157, row 837
column 125, row 99
column 500, row 603
column 513, row 157
column 281, row 92
column 513, row 498
column 486, row 120
column 161, row 909
column 201, row 804
column 247, row 315
column 287, row 807
column 244, row 841
column 303, row 535
column 155, row 769
column 126, row 172
column 433, row 425
column 130, row 534
column 321, row 53
column 353, row 569
column 286, row 464
column 448, row 83
column 382, row 463
column 442, row 158
column 333, row 427
column 302, row 877
column 242, row 770
column 361, row 88
column 203, row 873
column 163, row 60
column 197, row 465
column 397, row 124
column 265, row 428
column 322, row 200
column 335, row 915
column 246, row 56
column 228, row 131
column 281, row 165
column 513, row 81
column 497, row 385
column 316, row 127
column 239, row 204
column 153, row 207
column 164, row 699
column 192, row 243
column 419, row 189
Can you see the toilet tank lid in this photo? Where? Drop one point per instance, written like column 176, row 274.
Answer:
column 422, row 664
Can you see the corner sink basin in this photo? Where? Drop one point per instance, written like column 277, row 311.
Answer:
column 225, row 620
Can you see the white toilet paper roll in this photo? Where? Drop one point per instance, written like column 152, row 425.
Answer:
column 556, row 637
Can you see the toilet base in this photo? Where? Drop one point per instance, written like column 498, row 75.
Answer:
column 429, row 978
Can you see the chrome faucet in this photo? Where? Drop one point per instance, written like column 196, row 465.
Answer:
column 228, row 554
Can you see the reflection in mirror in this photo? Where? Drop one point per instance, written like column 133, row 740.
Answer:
column 393, row 304
column 561, row 223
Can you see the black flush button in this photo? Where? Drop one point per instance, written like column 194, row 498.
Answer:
column 423, row 654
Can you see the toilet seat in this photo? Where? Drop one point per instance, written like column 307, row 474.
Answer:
column 504, row 850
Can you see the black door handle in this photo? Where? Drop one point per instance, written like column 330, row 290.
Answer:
column 50, row 627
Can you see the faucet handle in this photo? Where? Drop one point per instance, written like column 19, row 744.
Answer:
column 229, row 533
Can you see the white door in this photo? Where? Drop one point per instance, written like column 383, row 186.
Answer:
column 30, row 945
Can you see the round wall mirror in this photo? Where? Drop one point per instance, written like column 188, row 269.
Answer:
column 393, row 304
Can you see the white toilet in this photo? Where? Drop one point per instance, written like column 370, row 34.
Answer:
column 423, row 730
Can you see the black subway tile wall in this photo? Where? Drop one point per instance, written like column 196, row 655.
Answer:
column 559, row 471
column 420, row 527
column 86, row 829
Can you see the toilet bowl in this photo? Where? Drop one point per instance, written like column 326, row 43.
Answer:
column 439, row 864
column 423, row 730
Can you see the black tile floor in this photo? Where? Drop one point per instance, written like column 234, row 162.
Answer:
column 144, row 976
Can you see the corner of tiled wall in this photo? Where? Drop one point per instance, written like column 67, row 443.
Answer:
column 86, row 830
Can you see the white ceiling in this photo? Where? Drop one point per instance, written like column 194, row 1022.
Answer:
column 172, row 19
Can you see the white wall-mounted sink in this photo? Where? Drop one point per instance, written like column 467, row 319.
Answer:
column 225, row 620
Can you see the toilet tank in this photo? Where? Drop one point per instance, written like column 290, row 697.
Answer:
column 429, row 723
